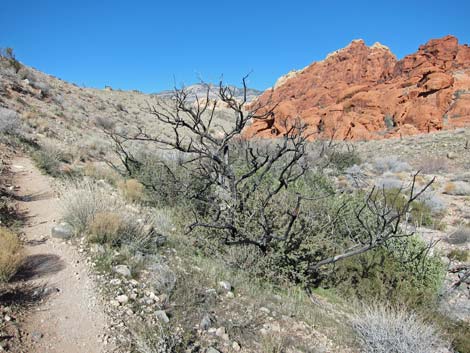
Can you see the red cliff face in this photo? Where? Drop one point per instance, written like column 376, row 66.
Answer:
column 362, row 92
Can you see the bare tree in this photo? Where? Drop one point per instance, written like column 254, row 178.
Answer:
column 247, row 193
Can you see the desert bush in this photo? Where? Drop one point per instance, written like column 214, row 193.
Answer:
column 389, row 183
column 82, row 200
column 105, row 227
column 49, row 158
column 43, row 87
column 9, row 121
column 461, row 255
column 342, row 159
column 435, row 204
column 418, row 213
column 433, row 165
column 400, row 272
column 385, row 329
column 460, row 236
column 391, row 164
column 9, row 55
column 132, row 189
column 157, row 338
column 11, row 254
column 90, row 207
column 457, row 188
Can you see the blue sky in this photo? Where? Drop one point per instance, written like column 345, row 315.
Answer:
column 150, row 45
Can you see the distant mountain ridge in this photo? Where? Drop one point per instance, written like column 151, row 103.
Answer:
column 362, row 92
column 200, row 90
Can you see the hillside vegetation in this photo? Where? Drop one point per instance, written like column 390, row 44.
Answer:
column 207, row 242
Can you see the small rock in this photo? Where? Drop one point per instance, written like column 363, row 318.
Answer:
column 7, row 318
column 264, row 310
column 62, row 231
column 123, row 299
column 115, row 282
column 451, row 155
column 36, row 336
column 123, row 270
column 236, row 346
column 220, row 331
column 205, row 323
column 114, row 302
column 212, row 350
column 225, row 286
column 162, row 316
column 230, row 295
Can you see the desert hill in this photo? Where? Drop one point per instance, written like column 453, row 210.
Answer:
column 362, row 92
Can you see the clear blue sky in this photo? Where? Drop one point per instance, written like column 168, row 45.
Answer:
column 147, row 45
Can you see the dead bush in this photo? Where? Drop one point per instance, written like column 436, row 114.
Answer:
column 11, row 254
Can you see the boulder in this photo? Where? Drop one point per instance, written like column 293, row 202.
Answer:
column 62, row 231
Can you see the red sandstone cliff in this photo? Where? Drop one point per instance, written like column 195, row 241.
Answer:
column 362, row 92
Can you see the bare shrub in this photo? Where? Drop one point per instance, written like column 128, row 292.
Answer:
column 433, row 165
column 385, row 329
column 9, row 121
column 11, row 254
column 391, row 164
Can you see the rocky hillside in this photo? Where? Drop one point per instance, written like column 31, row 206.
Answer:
column 362, row 92
column 199, row 90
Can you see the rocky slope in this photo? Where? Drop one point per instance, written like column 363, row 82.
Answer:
column 362, row 92
column 199, row 90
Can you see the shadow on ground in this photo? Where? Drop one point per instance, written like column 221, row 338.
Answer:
column 37, row 266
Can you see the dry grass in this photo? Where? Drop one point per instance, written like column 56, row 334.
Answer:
column 449, row 188
column 132, row 190
column 11, row 255
column 384, row 329
column 105, row 227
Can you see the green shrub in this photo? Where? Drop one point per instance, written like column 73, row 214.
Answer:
column 402, row 272
column 342, row 160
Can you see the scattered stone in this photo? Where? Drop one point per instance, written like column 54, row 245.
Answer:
column 162, row 316
column 230, row 295
column 115, row 282
column 220, row 331
column 122, row 299
column 451, row 155
column 36, row 336
column 114, row 302
column 225, row 286
column 236, row 346
column 205, row 323
column 264, row 310
column 62, row 231
column 123, row 270
column 212, row 350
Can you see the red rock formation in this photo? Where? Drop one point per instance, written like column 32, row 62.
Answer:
column 362, row 92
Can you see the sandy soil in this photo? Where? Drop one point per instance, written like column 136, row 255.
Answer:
column 71, row 319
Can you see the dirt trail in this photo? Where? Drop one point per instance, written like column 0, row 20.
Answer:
column 71, row 319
